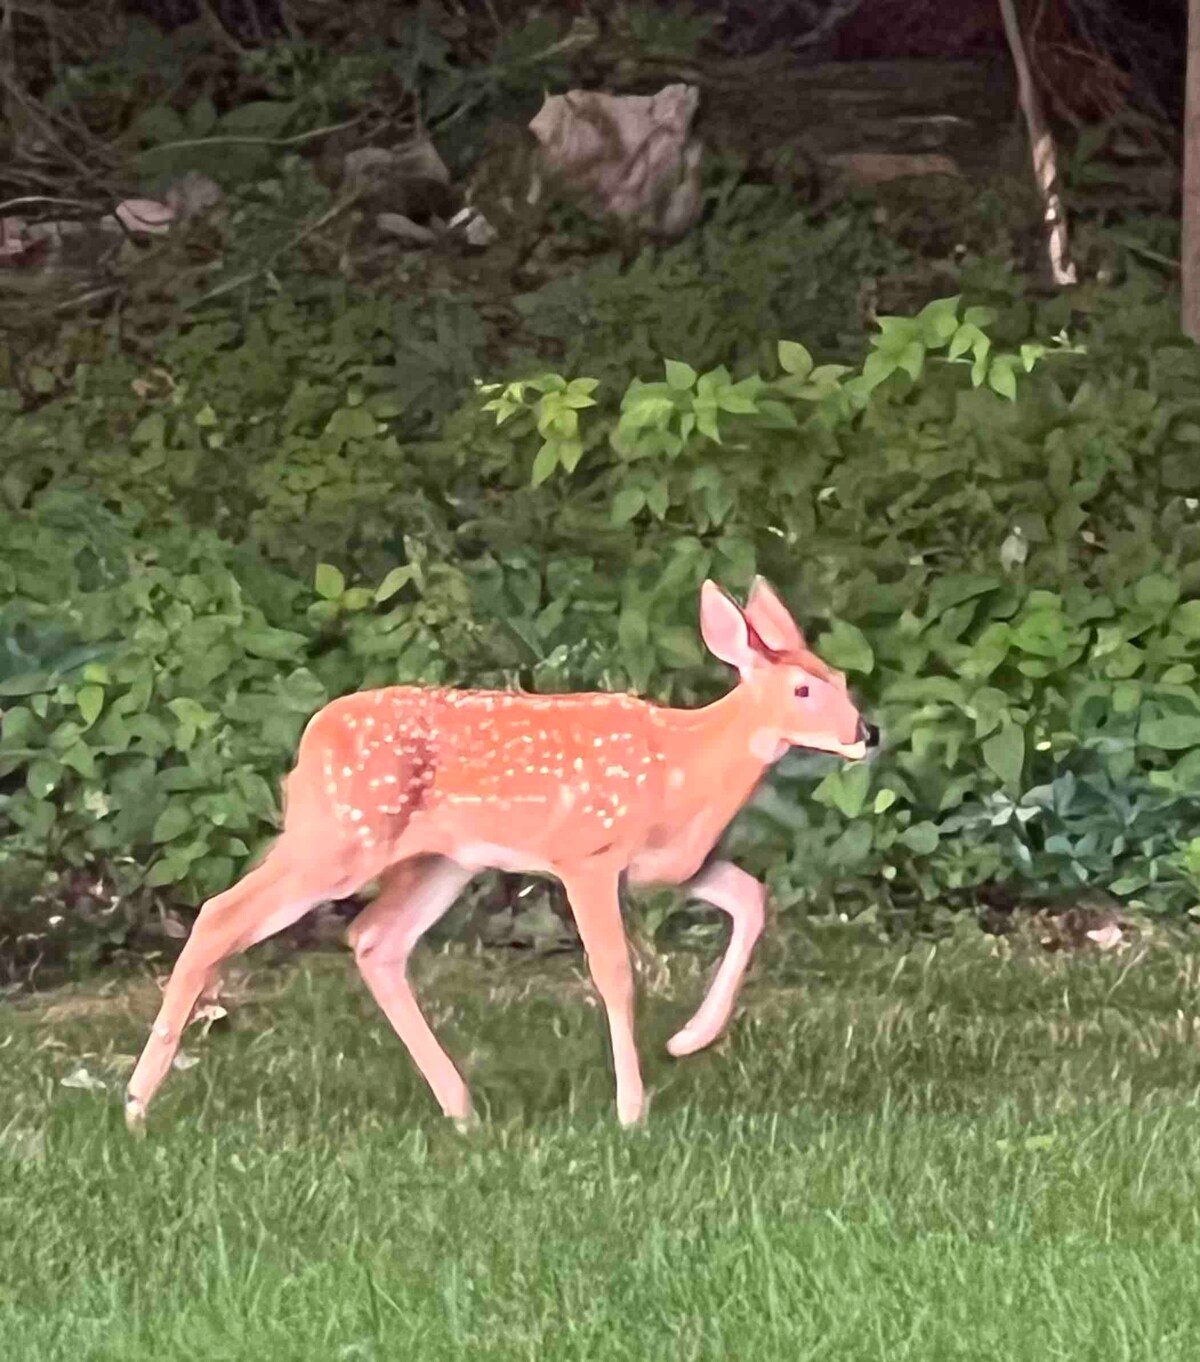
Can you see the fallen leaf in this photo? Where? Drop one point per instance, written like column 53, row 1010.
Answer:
column 80, row 1078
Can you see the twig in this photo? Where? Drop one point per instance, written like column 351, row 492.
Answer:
column 836, row 14
column 293, row 141
column 218, row 30
column 91, row 296
column 44, row 198
column 1045, row 161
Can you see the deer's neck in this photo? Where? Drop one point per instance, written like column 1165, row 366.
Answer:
column 714, row 757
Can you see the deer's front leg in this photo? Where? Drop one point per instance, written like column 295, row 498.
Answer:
column 728, row 887
column 595, row 903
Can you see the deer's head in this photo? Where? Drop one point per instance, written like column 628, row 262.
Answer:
column 798, row 700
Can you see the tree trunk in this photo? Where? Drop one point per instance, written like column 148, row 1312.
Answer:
column 1045, row 160
column 1191, row 180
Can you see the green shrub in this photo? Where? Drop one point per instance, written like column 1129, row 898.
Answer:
column 1012, row 585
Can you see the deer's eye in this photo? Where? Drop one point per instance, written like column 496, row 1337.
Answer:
column 801, row 692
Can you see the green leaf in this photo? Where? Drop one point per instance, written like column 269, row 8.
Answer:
column 706, row 421
column 967, row 337
column 1004, row 753
column 201, row 117
column 396, row 579
column 329, row 582
column 1170, row 732
column 150, row 430
column 795, row 359
column 168, row 870
column 846, row 789
column 912, row 359
column 626, row 504
column 1044, row 634
column 740, row 398
column 81, row 760
column 544, row 464
column 937, row 321
column 352, row 423
column 633, row 630
column 1156, row 592
column 159, row 123
column 173, row 822
column 275, row 645
column 878, row 367
column 42, row 777
column 90, row 701
column 680, row 377
column 1031, row 352
column 1186, row 620
column 258, row 118
column 658, row 498
column 921, row 839
column 955, row 588
column 846, row 647
column 1002, row 376
column 777, row 415
column 569, row 454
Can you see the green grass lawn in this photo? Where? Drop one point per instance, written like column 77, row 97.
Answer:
column 963, row 1152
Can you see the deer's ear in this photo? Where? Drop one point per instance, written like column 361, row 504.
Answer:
column 771, row 620
column 724, row 629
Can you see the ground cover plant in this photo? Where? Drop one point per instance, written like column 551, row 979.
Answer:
column 994, row 535
column 962, row 1148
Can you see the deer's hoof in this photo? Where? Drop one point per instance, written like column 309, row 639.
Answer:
column 135, row 1117
column 466, row 1124
column 686, row 1042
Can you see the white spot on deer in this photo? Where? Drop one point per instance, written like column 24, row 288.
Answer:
column 356, row 815
column 766, row 745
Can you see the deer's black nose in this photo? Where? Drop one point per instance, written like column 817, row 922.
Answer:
column 868, row 733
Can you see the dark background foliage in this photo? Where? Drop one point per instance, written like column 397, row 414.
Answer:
column 249, row 467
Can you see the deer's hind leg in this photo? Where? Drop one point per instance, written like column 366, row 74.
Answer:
column 272, row 896
column 413, row 895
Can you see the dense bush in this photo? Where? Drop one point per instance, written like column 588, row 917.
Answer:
column 194, row 556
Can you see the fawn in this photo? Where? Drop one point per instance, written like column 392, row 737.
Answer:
column 422, row 789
